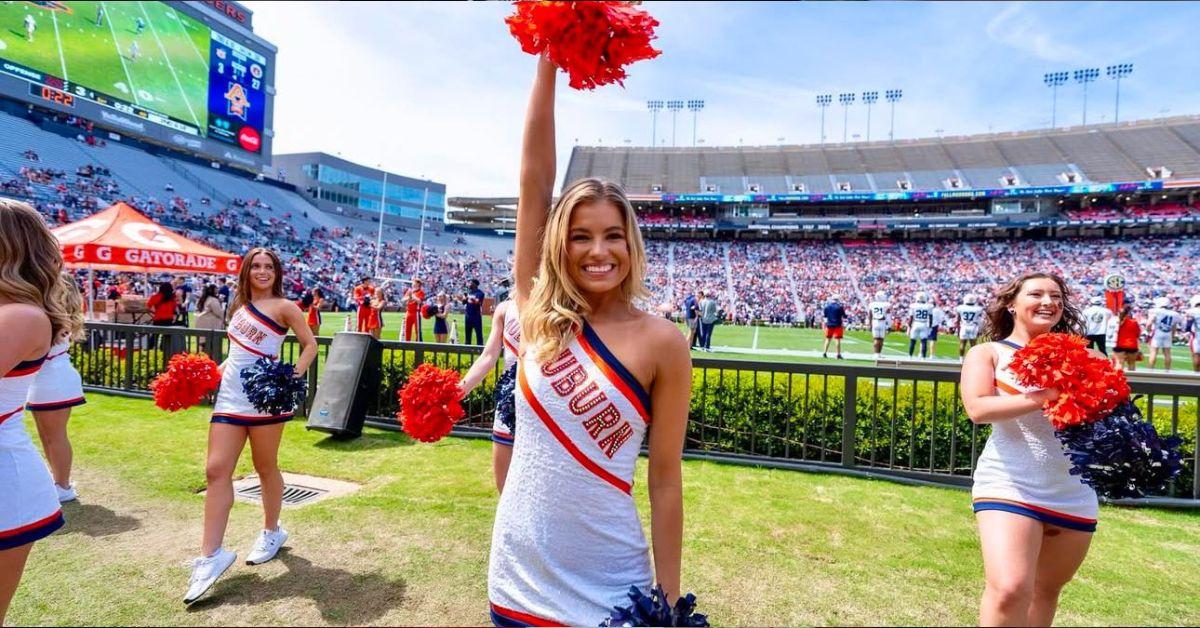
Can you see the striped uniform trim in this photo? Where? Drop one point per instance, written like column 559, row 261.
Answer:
column 248, row 420
column 29, row 533
column 615, row 371
column 250, row 349
column 562, row 438
column 507, row 617
column 510, row 345
column 265, row 320
column 56, row 405
column 1045, row 515
column 502, row 439
column 60, row 353
column 1006, row 388
column 28, row 367
column 8, row 415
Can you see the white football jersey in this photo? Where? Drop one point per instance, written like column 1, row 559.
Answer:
column 921, row 313
column 879, row 312
column 1163, row 321
column 969, row 315
column 1096, row 317
column 1194, row 319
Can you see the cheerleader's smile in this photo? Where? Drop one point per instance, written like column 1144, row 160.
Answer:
column 597, row 250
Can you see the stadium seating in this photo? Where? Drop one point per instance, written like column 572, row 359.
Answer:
column 1104, row 153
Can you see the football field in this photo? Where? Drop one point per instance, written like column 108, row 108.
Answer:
column 161, row 64
column 771, row 344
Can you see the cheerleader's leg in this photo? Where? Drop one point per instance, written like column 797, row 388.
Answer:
column 225, row 443
column 52, row 431
column 1062, row 553
column 1011, row 544
column 264, row 447
column 12, row 565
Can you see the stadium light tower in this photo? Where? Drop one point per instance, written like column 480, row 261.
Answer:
column 845, row 100
column 1084, row 77
column 823, row 101
column 1118, row 72
column 674, row 106
column 695, row 106
column 654, row 106
column 1054, row 80
column 869, row 98
column 892, row 96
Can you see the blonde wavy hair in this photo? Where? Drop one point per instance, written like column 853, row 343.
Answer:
column 66, row 294
column 555, row 310
column 31, row 263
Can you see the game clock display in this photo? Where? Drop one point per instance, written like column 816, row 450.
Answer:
column 52, row 95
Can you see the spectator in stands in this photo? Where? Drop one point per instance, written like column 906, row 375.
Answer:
column 474, row 312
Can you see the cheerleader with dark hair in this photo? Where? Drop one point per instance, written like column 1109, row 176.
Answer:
column 260, row 320
column 1035, row 519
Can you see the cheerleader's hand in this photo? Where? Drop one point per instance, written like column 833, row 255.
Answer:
column 1045, row 395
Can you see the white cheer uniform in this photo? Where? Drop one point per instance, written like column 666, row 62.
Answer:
column 969, row 319
column 567, row 543
column 29, row 508
column 1023, row 469
column 57, row 385
column 252, row 335
column 511, row 336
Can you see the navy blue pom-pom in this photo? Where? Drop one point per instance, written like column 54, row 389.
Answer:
column 271, row 386
column 653, row 610
column 1122, row 455
column 505, row 396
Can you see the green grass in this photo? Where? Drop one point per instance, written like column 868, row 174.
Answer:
column 169, row 75
column 410, row 547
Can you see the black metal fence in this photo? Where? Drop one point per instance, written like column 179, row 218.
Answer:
column 904, row 422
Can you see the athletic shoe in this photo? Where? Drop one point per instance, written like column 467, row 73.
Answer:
column 266, row 546
column 840, row 357
column 205, row 571
column 66, row 494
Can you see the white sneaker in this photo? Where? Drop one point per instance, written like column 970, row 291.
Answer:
column 66, row 494
column 205, row 571
column 266, row 546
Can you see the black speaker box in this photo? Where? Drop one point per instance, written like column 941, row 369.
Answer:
column 349, row 380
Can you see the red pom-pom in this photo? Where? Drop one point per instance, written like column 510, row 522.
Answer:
column 188, row 379
column 591, row 41
column 1089, row 386
column 427, row 311
column 430, row 403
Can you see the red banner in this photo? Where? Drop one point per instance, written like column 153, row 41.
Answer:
column 100, row 256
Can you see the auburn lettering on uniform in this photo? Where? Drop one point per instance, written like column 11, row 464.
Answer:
column 567, row 378
column 250, row 331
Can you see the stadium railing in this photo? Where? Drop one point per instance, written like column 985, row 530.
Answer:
column 898, row 422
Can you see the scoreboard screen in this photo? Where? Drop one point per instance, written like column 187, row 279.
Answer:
column 150, row 67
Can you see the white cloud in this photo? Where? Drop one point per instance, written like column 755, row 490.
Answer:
column 1019, row 29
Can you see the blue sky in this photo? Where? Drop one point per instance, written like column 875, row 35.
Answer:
column 438, row 89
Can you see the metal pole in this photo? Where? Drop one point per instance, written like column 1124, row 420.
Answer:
column 892, row 128
column 379, row 235
column 868, row 122
column 1054, row 107
column 421, row 240
column 1117, row 107
column 696, row 114
column 1085, row 104
column 653, row 128
column 845, row 121
column 822, row 126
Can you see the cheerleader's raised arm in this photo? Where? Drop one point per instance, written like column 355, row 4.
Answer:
column 537, row 179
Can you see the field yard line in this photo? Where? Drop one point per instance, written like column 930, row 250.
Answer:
column 117, row 45
column 188, row 37
column 57, row 39
column 154, row 31
column 755, row 345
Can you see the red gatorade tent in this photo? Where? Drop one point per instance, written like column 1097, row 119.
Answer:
column 122, row 239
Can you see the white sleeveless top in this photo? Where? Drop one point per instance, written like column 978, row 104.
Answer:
column 252, row 335
column 1023, row 460
column 511, row 336
column 567, row 543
